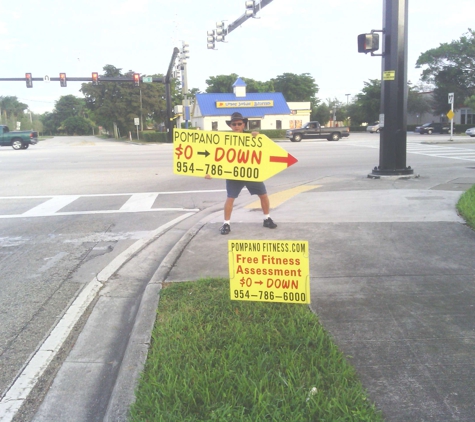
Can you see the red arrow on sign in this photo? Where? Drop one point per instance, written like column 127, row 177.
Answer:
column 290, row 159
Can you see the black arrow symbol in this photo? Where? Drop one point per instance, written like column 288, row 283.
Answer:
column 206, row 153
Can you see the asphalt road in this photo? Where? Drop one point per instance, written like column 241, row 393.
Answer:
column 69, row 206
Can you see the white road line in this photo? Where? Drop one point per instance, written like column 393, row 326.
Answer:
column 56, row 214
column 34, row 369
column 139, row 202
column 95, row 195
column 51, row 206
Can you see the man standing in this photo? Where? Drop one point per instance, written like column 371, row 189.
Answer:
column 234, row 187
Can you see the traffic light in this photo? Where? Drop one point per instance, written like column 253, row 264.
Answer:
column 250, row 7
column 210, row 39
column 29, row 80
column 367, row 43
column 136, row 79
column 95, row 78
column 62, row 80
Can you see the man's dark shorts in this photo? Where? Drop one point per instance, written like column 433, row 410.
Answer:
column 234, row 187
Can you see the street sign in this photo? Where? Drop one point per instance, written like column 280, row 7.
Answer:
column 136, row 121
column 269, row 270
column 147, row 79
column 450, row 114
column 389, row 75
column 451, row 97
column 227, row 155
column 46, row 78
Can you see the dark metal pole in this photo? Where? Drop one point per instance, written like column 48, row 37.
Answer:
column 393, row 118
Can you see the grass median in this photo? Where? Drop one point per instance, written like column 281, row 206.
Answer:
column 213, row 359
column 466, row 206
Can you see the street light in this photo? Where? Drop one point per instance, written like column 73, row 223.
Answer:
column 347, row 96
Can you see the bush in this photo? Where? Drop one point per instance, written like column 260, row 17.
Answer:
column 154, row 136
column 273, row 133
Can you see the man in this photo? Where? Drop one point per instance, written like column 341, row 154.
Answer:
column 234, row 187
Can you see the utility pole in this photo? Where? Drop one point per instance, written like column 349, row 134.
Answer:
column 168, row 93
column 393, row 117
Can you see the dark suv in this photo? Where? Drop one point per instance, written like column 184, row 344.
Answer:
column 431, row 128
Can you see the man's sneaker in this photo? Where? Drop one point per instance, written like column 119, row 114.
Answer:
column 225, row 228
column 269, row 223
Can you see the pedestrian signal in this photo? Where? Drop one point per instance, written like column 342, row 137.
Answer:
column 367, row 43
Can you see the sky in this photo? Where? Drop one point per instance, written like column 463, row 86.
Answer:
column 79, row 37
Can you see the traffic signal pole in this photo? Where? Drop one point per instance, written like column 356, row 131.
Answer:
column 393, row 117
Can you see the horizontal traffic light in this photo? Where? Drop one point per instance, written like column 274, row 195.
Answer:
column 367, row 43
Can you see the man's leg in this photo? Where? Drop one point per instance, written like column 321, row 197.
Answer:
column 228, row 208
column 265, row 203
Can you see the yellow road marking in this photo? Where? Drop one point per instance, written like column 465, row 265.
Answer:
column 279, row 198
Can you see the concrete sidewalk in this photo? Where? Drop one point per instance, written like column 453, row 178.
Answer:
column 392, row 279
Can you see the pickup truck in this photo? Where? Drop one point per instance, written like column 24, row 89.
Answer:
column 17, row 139
column 313, row 130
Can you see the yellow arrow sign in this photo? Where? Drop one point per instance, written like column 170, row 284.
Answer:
column 227, row 155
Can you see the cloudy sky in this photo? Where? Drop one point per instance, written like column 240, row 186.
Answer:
column 297, row 36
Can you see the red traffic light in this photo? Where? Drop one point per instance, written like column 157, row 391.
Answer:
column 136, row 79
column 95, row 78
column 29, row 80
column 62, row 80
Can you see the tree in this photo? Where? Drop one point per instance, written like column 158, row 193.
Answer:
column 76, row 125
column 297, row 87
column 470, row 102
column 321, row 114
column 221, row 83
column 119, row 103
column 11, row 109
column 224, row 84
column 67, row 106
column 365, row 108
column 450, row 68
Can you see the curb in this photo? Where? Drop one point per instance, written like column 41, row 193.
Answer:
column 133, row 362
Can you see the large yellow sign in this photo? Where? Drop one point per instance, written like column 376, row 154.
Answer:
column 227, row 155
column 244, row 104
column 269, row 271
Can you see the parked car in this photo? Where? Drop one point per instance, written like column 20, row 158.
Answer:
column 313, row 130
column 433, row 127
column 470, row 132
column 17, row 139
column 374, row 128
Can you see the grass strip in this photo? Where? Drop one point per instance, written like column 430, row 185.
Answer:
column 466, row 206
column 213, row 359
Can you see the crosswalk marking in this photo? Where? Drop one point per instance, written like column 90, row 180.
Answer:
column 136, row 202
column 427, row 150
column 51, row 206
column 139, row 201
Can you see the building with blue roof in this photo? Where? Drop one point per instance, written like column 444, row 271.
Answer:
column 264, row 110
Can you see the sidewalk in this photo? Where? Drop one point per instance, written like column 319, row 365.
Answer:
column 392, row 279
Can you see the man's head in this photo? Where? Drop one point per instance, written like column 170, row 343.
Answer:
column 237, row 122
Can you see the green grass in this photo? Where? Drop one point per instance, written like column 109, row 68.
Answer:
column 213, row 359
column 466, row 206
